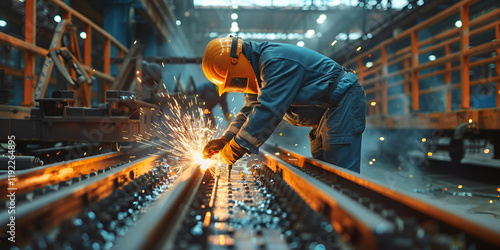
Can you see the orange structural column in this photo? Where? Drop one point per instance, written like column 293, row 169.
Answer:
column 85, row 91
column 497, row 67
column 447, row 79
column 29, row 57
column 414, row 72
column 464, row 59
column 406, row 65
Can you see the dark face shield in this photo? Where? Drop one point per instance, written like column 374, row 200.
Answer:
column 238, row 85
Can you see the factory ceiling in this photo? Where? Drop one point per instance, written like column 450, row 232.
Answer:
column 329, row 27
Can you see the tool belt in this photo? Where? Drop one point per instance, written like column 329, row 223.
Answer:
column 333, row 85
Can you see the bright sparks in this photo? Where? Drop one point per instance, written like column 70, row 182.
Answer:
column 183, row 132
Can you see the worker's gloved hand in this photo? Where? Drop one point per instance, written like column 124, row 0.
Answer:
column 214, row 146
column 232, row 152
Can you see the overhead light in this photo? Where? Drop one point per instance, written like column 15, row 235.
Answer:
column 334, row 42
column 235, row 6
column 300, row 43
column 186, row 14
column 458, row 24
column 178, row 22
column 234, row 24
column 354, row 35
column 3, row 23
column 432, row 57
column 83, row 35
column 234, row 29
column 341, row 36
column 234, row 16
column 336, row 2
column 369, row 64
column 369, row 35
column 57, row 18
column 310, row 33
column 321, row 18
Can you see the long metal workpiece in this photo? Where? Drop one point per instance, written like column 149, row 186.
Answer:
column 159, row 226
column 50, row 209
column 483, row 232
column 357, row 225
column 54, row 173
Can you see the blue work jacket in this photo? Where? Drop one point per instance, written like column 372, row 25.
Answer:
column 288, row 77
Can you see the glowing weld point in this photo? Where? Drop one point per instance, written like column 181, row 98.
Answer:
column 491, row 201
column 382, row 138
column 204, row 163
column 470, row 120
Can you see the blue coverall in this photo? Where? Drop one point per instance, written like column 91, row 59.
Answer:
column 299, row 85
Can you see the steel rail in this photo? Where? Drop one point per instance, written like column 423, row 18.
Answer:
column 52, row 208
column 478, row 230
column 357, row 224
column 158, row 228
column 62, row 171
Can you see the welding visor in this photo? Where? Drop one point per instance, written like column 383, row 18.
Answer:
column 240, row 76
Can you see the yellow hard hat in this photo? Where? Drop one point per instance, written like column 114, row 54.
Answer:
column 225, row 65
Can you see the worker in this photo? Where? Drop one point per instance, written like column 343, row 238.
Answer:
column 209, row 94
column 288, row 82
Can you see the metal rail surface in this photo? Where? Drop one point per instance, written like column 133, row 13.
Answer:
column 50, row 209
column 358, row 187
column 63, row 171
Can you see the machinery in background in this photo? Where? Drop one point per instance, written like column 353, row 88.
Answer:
column 122, row 119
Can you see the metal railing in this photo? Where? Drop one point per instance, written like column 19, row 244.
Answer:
column 402, row 52
column 28, row 45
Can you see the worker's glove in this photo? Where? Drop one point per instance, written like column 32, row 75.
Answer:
column 232, row 152
column 214, row 146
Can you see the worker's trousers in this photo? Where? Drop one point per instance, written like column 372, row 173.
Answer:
column 337, row 138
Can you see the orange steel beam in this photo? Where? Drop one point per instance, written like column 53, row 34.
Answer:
column 464, row 59
column 23, row 45
column 447, row 79
column 406, row 65
column 95, row 27
column 497, row 31
column 414, row 73
column 29, row 57
column 121, row 55
column 85, row 90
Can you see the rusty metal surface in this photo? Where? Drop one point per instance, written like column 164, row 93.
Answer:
column 52, row 208
column 58, row 172
column 479, row 230
column 357, row 224
column 161, row 223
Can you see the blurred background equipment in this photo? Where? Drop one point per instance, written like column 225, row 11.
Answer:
column 104, row 109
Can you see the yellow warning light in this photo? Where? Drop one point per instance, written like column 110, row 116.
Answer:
column 460, row 186
column 424, row 139
column 429, row 153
